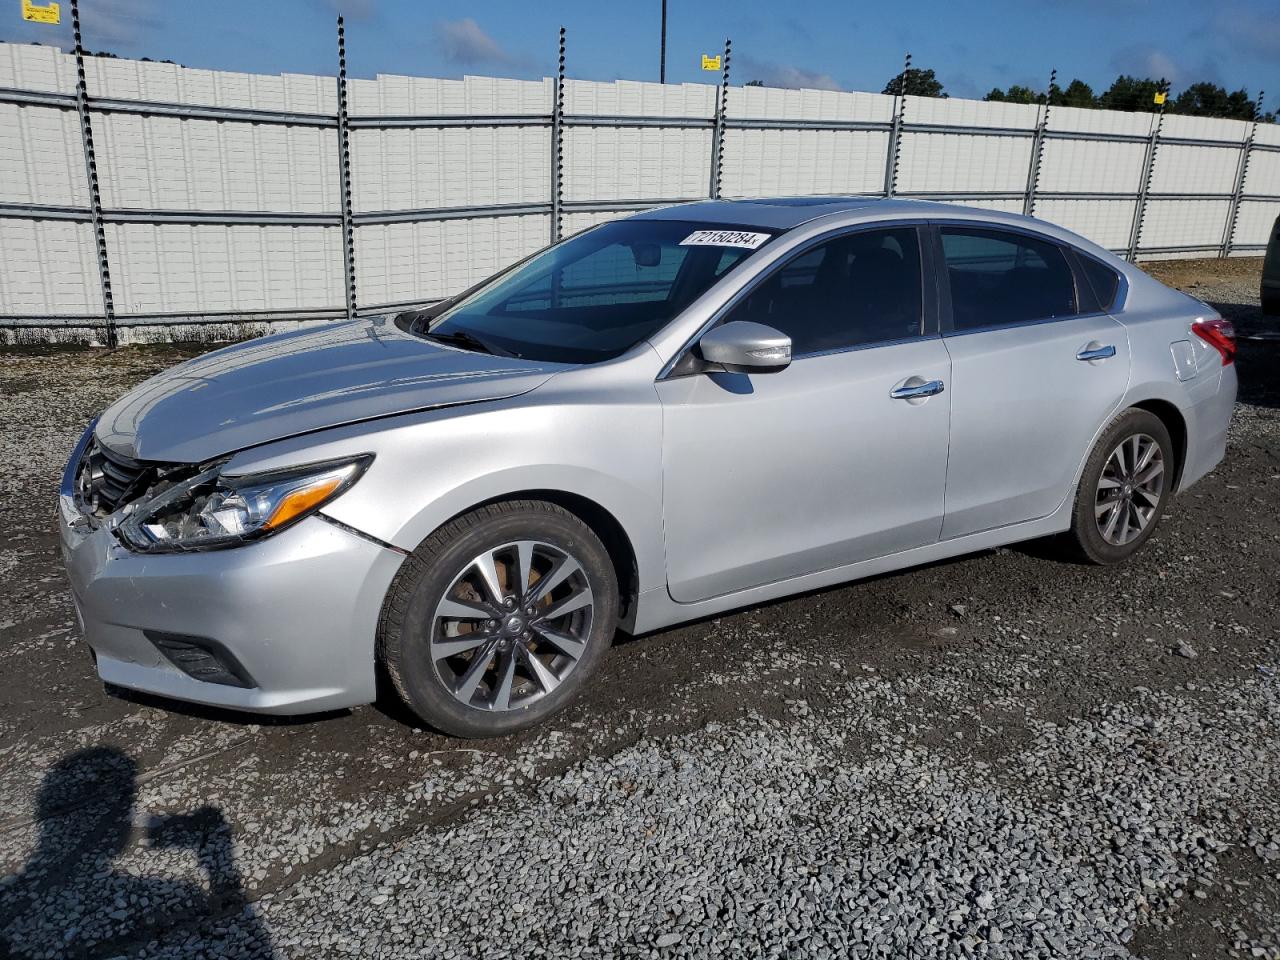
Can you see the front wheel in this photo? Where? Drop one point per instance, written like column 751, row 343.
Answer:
column 1124, row 488
column 499, row 618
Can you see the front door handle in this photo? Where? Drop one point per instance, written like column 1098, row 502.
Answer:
column 916, row 388
column 1093, row 350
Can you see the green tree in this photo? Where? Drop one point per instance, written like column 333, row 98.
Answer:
column 1211, row 100
column 1131, row 93
column 1015, row 94
column 1077, row 94
column 1240, row 106
column 1201, row 100
column 919, row 83
column 1138, row 93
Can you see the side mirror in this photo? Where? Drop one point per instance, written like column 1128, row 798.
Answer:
column 743, row 346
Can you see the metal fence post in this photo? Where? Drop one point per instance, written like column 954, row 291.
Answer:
column 662, row 56
column 894, row 151
column 344, row 175
column 717, row 135
column 1140, row 208
column 557, row 147
column 1242, row 171
column 1037, row 150
column 91, row 173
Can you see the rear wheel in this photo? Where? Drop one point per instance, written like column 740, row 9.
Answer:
column 1124, row 488
column 499, row 619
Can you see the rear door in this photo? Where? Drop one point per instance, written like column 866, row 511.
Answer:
column 1033, row 377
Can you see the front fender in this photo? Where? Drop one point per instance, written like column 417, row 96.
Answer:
column 430, row 467
column 638, row 512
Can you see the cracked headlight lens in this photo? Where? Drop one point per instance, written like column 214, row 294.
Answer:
column 210, row 510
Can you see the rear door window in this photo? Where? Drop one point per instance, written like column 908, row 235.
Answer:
column 999, row 278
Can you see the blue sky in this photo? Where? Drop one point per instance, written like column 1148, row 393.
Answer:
column 823, row 43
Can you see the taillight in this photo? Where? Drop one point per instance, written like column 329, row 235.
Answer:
column 1219, row 334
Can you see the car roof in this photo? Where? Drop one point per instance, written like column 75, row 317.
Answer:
column 785, row 213
column 777, row 213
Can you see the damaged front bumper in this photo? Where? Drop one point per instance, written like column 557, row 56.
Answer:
column 282, row 625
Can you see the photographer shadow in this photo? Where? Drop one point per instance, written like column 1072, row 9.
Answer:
column 72, row 899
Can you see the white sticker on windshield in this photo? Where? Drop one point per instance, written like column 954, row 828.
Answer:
column 724, row 238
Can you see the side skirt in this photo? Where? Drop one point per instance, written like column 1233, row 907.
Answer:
column 656, row 609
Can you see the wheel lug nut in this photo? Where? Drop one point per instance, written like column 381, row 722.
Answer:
column 492, row 624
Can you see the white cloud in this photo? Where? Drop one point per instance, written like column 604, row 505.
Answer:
column 785, row 75
column 117, row 26
column 1143, row 60
column 465, row 43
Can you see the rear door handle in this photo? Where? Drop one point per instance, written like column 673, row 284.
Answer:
column 916, row 388
column 1093, row 350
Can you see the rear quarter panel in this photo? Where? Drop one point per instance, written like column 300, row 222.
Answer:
column 1157, row 319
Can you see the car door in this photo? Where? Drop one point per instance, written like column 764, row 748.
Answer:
column 1032, row 376
column 839, row 457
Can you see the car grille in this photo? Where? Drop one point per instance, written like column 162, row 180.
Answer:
column 107, row 480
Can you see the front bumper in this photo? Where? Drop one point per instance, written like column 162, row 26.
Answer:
column 297, row 611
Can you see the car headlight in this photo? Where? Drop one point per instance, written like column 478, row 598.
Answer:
column 210, row 510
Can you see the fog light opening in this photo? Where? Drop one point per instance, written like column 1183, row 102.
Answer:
column 201, row 659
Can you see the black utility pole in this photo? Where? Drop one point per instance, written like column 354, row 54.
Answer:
column 662, row 60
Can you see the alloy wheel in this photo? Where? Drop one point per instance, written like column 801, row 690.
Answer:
column 1129, row 489
column 512, row 626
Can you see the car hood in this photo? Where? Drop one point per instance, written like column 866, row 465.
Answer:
column 294, row 383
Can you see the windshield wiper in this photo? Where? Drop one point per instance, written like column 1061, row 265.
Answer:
column 461, row 338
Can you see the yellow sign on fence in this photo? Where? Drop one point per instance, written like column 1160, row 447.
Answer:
column 41, row 13
column 711, row 63
column 1161, row 96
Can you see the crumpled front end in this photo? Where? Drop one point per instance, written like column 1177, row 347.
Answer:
column 285, row 624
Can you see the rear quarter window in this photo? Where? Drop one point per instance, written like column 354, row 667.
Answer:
column 1104, row 284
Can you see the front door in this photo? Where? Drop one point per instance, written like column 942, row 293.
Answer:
column 776, row 475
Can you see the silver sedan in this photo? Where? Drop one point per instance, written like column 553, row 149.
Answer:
column 694, row 409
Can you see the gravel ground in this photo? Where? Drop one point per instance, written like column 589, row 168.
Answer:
column 1004, row 756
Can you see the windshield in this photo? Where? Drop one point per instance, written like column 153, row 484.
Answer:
column 596, row 295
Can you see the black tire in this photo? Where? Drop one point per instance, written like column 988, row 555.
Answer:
column 1085, row 539
column 409, row 617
